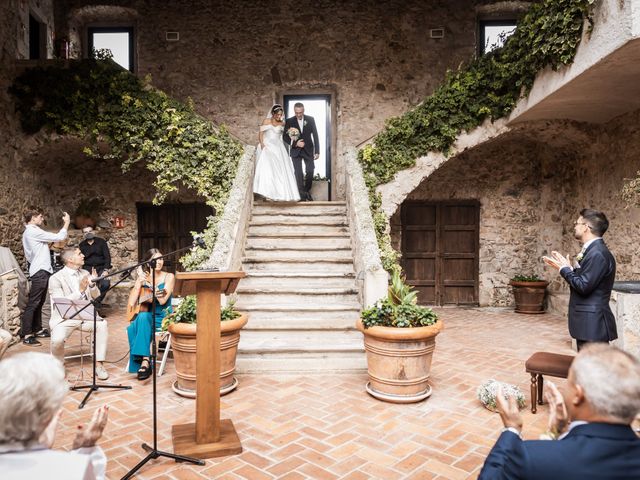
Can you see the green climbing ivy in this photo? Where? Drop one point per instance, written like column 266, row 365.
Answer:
column 487, row 88
column 100, row 102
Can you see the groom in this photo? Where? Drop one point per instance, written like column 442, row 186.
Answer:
column 304, row 147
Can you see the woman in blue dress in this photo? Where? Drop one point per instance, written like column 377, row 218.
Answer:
column 143, row 324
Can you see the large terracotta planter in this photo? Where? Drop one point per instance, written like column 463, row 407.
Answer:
column 529, row 296
column 183, row 344
column 399, row 361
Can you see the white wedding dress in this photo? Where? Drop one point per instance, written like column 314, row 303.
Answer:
column 274, row 177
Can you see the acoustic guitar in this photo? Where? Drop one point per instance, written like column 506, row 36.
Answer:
column 142, row 305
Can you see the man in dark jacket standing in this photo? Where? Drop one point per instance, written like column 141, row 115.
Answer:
column 590, row 280
column 304, row 147
column 96, row 255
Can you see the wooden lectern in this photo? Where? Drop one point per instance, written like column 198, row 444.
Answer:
column 208, row 437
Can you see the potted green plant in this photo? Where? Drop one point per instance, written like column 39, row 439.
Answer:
column 87, row 213
column 181, row 324
column 399, row 338
column 529, row 292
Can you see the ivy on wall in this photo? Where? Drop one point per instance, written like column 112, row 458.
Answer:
column 487, row 88
column 98, row 101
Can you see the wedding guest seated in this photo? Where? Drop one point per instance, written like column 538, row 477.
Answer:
column 32, row 389
column 591, row 421
column 140, row 310
column 73, row 283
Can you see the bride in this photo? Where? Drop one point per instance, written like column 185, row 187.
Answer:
column 274, row 178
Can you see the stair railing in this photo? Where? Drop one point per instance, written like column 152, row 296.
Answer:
column 371, row 277
column 233, row 226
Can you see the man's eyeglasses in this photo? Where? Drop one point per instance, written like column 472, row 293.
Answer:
column 582, row 223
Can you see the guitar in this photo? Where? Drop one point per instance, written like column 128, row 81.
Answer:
column 142, row 305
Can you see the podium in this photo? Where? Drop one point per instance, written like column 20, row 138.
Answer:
column 208, row 437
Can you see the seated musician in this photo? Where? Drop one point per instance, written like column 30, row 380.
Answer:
column 139, row 308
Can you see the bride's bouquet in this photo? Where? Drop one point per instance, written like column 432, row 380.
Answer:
column 294, row 133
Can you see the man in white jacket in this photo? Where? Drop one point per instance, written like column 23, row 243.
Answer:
column 74, row 283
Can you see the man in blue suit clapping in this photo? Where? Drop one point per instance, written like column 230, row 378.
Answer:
column 601, row 400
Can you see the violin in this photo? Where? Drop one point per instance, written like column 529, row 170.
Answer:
column 145, row 297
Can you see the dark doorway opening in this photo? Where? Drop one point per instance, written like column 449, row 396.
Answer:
column 168, row 228
column 440, row 250
column 319, row 107
column 37, row 38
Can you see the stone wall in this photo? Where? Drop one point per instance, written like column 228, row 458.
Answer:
column 234, row 59
column 531, row 184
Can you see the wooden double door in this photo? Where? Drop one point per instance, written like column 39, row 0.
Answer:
column 440, row 245
column 168, row 227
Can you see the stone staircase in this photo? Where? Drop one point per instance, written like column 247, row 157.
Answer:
column 300, row 291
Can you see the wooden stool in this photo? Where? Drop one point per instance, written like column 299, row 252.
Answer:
column 545, row 363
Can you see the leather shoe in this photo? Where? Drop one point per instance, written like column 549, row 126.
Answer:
column 31, row 341
column 101, row 372
column 309, row 197
column 144, row 372
column 44, row 333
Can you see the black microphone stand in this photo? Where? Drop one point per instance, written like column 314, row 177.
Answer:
column 93, row 386
column 153, row 451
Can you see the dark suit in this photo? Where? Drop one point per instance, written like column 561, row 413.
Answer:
column 594, row 450
column 309, row 134
column 590, row 317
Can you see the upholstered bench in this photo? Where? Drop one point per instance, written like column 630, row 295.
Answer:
column 545, row 363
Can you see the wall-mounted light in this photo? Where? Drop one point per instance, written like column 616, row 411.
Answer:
column 436, row 33
column 172, row 36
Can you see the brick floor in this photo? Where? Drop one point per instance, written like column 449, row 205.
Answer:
column 326, row 426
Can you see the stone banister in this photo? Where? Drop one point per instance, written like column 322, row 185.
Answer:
column 232, row 228
column 372, row 278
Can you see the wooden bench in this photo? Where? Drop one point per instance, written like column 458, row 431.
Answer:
column 545, row 363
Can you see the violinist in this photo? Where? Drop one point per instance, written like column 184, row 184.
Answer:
column 139, row 310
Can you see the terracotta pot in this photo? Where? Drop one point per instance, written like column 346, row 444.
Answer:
column 399, row 361
column 183, row 344
column 529, row 296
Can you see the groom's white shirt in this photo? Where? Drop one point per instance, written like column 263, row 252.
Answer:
column 300, row 124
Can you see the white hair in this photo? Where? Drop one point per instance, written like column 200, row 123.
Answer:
column 32, row 388
column 610, row 379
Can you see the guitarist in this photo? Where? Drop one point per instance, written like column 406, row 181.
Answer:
column 139, row 310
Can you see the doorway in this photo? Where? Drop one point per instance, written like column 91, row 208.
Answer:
column 168, row 228
column 317, row 106
column 440, row 250
column 118, row 40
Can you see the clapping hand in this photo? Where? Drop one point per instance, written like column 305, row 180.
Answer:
column 49, row 435
column 508, row 410
column 88, row 436
column 558, row 416
column 557, row 261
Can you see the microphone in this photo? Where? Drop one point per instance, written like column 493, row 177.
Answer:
column 198, row 241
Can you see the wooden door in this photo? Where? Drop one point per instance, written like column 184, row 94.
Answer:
column 440, row 243
column 168, row 228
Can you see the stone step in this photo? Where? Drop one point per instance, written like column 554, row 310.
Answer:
column 306, row 243
column 300, row 341
column 305, row 314
column 301, row 234
column 299, row 208
column 288, row 281
column 297, row 253
column 346, row 298
column 329, row 266
column 298, row 229
column 301, row 362
column 300, row 351
column 329, row 220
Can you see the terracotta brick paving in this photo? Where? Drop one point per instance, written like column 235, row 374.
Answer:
column 326, row 426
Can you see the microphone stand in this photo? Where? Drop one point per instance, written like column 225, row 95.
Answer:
column 93, row 386
column 153, row 451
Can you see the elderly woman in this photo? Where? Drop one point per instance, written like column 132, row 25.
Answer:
column 32, row 388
